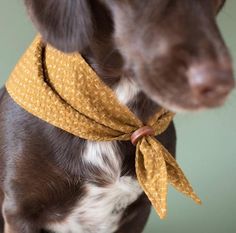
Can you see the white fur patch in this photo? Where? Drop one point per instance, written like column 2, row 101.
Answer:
column 126, row 90
column 98, row 153
column 101, row 209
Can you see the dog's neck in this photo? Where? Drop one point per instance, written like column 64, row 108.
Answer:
column 109, row 67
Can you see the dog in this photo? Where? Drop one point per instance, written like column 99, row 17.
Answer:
column 166, row 53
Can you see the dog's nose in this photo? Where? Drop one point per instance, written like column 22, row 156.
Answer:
column 210, row 84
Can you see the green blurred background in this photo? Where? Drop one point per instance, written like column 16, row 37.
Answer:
column 206, row 147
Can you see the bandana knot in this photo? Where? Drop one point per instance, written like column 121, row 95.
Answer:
column 140, row 133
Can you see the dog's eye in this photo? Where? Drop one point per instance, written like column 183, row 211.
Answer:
column 218, row 4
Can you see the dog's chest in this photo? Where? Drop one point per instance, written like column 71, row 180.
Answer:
column 102, row 206
column 101, row 209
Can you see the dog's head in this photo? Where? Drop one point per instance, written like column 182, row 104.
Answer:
column 172, row 48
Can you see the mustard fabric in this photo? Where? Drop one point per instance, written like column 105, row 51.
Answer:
column 64, row 91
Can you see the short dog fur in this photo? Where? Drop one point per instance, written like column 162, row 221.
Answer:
column 152, row 53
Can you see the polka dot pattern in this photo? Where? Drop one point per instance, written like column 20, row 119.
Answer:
column 64, row 91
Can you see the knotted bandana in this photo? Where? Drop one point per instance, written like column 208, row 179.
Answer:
column 68, row 94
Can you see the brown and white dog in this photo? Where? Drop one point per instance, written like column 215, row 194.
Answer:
column 151, row 53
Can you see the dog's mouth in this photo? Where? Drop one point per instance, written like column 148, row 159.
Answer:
column 186, row 103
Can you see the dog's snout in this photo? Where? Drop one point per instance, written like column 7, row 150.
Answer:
column 210, row 84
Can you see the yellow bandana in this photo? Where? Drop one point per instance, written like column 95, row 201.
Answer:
column 68, row 94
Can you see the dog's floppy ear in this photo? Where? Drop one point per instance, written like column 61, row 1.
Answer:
column 65, row 24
